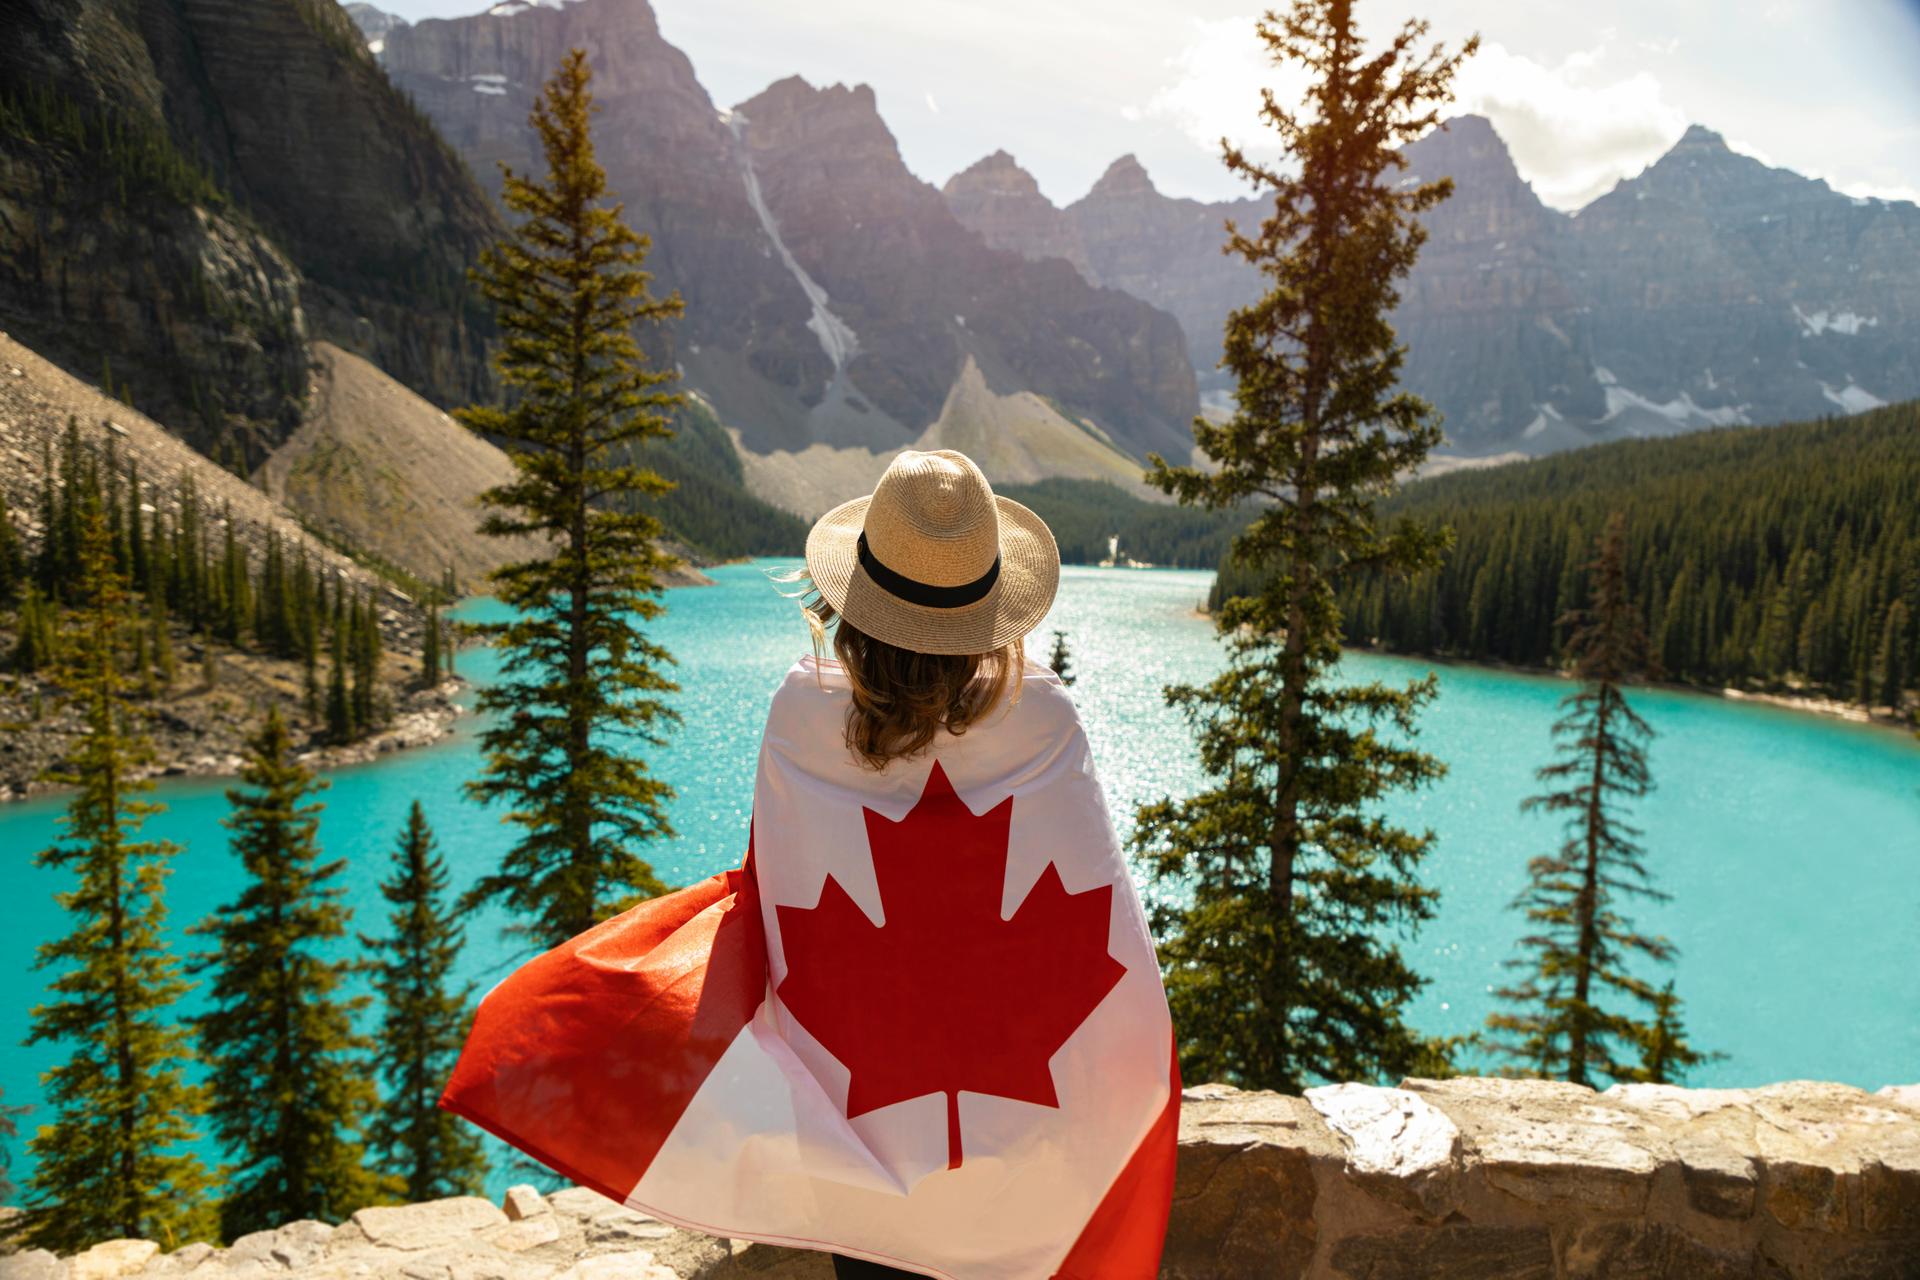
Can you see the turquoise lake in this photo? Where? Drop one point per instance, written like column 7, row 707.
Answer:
column 1790, row 843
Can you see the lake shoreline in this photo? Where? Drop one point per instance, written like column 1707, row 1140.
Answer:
column 425, row 718
column 1803, row 703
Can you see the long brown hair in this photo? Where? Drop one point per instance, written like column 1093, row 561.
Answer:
column 901, row 698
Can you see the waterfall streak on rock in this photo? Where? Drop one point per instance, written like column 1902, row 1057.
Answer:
column 837, row 339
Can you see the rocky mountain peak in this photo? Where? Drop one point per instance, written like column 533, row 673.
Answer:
column 1466, row 149
column 1702, row 170
column 795, row 94
column 1698, row 136
column 1125, row 178
column 1003, row 204
column 839, row 124
column 998, row 174
column 1491, row 202
column 374, row 23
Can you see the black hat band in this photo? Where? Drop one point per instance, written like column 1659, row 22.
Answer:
column 926, row 593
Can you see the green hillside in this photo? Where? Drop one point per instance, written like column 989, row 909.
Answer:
column 710, row 509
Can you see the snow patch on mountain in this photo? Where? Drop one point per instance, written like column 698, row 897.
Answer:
column 1842, row 322
column 1543, row 414
column 1681, row 411
column 1852, row 398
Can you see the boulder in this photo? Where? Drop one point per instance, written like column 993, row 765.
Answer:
column 111, row 1259
column 33, row 1264
column 523, row 1201
column 1399, row 1146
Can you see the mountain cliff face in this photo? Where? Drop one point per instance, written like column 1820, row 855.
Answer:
column 191, row 189
column 1122, row 234
column 920, row 293
column 1708, row 290
column 1002, row 202
column 1712, row 279
column 1489, row 314
column 832, row 297
column 668, row 155
column 1167, row 251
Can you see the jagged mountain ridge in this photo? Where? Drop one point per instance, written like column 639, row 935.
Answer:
column 833, row 299
column 921, row 295
column 1125, row 234
column 195, row 189
column 1708, row 290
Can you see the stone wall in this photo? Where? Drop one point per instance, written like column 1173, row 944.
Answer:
column 1438, row 1180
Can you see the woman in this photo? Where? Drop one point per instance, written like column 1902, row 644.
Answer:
column 922, row 1028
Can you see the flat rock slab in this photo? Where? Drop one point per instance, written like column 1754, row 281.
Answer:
column 421, row 1226
column 1549, row 1143
column 635, row 1265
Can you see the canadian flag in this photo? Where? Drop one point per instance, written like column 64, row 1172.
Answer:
column 923, row 1025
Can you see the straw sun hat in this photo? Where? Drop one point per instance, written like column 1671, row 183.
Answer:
column 932, row 561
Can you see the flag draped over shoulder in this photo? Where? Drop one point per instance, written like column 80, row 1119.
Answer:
column 923, row 1025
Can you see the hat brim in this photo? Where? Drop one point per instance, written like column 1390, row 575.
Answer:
column 1019, row 599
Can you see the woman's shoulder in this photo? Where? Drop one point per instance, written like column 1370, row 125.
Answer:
column 1044, row 699
column 811, row 671
column 810, row 701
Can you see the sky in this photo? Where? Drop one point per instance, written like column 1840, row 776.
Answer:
column 1583, row 93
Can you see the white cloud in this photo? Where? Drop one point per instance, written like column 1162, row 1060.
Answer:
column 1214, row 89
column 1572, row 133
column 1741, row 147
column 931, row 104
column 1571, row 138
column 1880, row 191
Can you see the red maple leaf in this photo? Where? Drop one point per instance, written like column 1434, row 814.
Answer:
column 946, row 995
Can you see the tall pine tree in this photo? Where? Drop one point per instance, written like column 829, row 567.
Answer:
column 113, row 1161
column 340, row 719
column 1565, row 1019
column 290, row 1089
column 435, row 1152
column 430, row 665
column 580, row 683
column 1279, row 965
column 369, row 708
column 36, row 645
